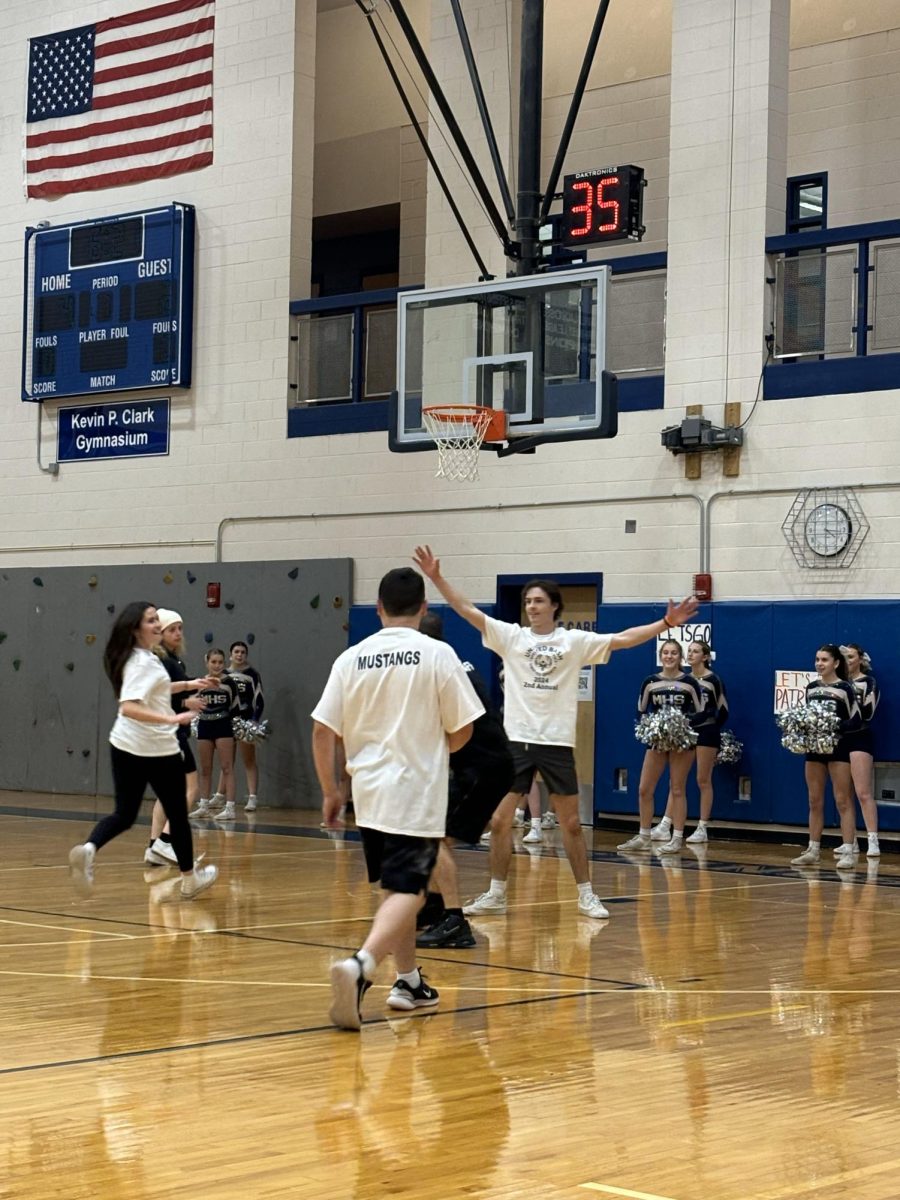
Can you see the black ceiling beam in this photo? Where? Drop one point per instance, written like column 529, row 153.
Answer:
column 574, row 106
column 483, row 112
column 420, row 133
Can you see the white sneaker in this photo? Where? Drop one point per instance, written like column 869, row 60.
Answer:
column 846, row 862
column 81, row 867
column 549, row 821
column 486, row 836
column 250, row 806
column 698, row 836
column 160, row 854
column 874, row 850
column 227, row 813
column 486, row 905
column 519, row 818
column 808, row 858
column 846, row 847
column 533, row 835
column 201, row 810
column 217, row 799
column 638, row 842
column 661, row 832
column 198, row 881
column 593, row 908
column 673, row 846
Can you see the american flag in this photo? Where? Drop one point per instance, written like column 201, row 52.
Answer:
column 121, row 101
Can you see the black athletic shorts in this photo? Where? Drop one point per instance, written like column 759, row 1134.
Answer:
column 709, row 735
column 555, row 763
column 861, row 739
column 400, row 863
column 474, row 796
column 211, row 730
column 187, row 754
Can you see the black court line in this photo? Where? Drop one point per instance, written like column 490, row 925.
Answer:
column 243, row 1039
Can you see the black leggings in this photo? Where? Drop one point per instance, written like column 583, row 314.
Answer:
column 131, row 775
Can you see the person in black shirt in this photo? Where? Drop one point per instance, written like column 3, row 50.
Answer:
column 668, row 687
column 834, row 691
column 481, row 774
column 215, row 733
column 250, row 707
column 859, row 673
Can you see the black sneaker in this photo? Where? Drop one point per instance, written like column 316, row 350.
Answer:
column 348, row 986
column 452, row 933
column 407, row 998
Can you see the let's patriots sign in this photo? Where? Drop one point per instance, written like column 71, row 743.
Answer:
column 121, row 101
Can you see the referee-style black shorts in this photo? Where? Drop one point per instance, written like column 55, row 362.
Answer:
column 555, row 763
column 398, row 862
column 474, row 796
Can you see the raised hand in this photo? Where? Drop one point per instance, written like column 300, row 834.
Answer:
column 426, row 562
column 677, row 614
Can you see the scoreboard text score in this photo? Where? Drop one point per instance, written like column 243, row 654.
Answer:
column 605, row 205
column 109, row 304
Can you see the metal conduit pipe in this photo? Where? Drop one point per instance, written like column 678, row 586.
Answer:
column 737, row 493
column 470, row 508
column 70, row 546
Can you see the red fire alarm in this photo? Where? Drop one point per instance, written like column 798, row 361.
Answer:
column 213, row 595
column 703, row 586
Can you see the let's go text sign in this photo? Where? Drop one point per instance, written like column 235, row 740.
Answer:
column 790, row 688
column 133, row 430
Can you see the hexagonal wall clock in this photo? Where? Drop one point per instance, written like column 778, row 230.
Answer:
column 825, row 527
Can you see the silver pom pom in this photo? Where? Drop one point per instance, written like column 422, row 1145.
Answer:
column 809, row 728
column 731, row 749
column 250, row 731
column 665, row 729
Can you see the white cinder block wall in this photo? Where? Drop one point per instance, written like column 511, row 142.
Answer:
column 565, row 507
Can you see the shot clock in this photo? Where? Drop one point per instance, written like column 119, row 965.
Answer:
column 605, row 205
column 109, row 304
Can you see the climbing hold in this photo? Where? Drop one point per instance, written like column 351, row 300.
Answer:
column 208, row 637
column 168, row 577
column 70, row 666
column 293, row 573
column 314, row 603
column 337, row 602
column 37, row 581
column 90, row 638
column 2, row 637
column 17, row 662
column 85, row 754
column 93, row 581
column 191, row 578
column 229, row 605
column 110, row 608
column 251, row 638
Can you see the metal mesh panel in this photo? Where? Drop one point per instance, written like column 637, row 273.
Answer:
column 815, row 303
column 381, row 352
column 636, row 324
column 325, row 353
column 884, row 311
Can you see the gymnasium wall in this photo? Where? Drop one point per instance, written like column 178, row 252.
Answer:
column 57, row 706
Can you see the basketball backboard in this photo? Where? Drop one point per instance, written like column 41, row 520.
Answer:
column 533, row 346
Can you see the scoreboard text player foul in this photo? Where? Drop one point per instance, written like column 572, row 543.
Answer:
column 109, row 304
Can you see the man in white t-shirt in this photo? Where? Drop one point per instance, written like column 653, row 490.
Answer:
column 541, row 665
column 400, row 703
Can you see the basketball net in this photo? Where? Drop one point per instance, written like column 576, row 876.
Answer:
column 458, row 431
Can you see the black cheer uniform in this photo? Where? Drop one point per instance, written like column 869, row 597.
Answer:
column 840, row 697
column 715, row 711
column 867, row 696
column 221, row 705
column 683, row 692
column 250, row 693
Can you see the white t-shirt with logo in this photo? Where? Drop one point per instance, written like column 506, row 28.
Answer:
column 540, row 685
column 393, row 699
column 146, row 680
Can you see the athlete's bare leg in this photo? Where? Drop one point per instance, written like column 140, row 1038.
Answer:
column 566, row 808
column 501, row 835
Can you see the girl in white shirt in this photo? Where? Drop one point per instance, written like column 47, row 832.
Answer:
column 145, row 749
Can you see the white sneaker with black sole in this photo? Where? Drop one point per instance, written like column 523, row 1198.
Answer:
column 404, row 997
column 160, row 854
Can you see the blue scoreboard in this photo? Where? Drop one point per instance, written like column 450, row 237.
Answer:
column 109, row 304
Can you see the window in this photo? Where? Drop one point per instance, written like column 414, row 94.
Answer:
column 807, row 202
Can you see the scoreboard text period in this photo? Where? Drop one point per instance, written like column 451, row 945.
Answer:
column 109, row 304
column 605, row 205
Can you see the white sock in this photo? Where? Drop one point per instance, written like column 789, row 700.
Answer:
column 677, row 835
column 520, row 814
column 701, row 824
column 413, row 978
column 644, row 832
column 535, row 822
column 368, row 963
column 498, row 887
column 667, row 821
column 585, row 890
column 815, row 845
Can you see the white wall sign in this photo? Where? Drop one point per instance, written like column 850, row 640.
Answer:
column 586, row 683
column 790, row 688
column 684, row 635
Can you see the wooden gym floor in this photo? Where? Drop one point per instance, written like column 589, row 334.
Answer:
column 731, row 1033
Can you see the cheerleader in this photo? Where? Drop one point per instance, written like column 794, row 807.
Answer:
column 670, row 686
column 859, row 672
column 215, row 733
column 250, row 708
column 834, row 691
column 709, row 731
